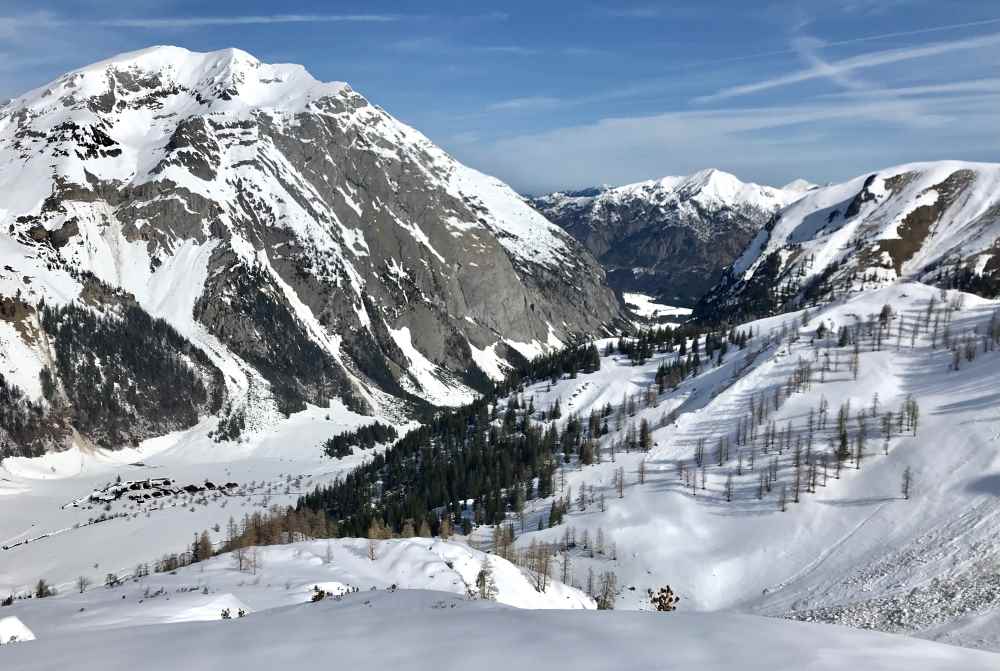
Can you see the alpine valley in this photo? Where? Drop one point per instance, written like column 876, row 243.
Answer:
column 639, row 231
column 281, row 381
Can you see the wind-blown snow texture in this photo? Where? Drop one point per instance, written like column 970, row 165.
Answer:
column 412, row 630
column 283, row 226
column 672, row 237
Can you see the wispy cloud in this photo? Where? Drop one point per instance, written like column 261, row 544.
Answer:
column 415, row 44
column 905, row 112
column 847, row 65
column 652, row 11
column 648, row 12
column 210, row 21
column 583, row 51
column 511, row 49
column 526, row 103
column 988, row 85
column 48, row 20
column 768, row 144
column 433, row 44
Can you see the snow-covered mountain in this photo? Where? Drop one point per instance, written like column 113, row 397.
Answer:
column 672, row 237
column 186, row 234
column 937, row 223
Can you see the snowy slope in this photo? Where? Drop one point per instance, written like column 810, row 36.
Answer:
column 12, row 630
column 644, row 306
column 431, row 630
column 934, row 222
column 854, row 552
column 285, row 575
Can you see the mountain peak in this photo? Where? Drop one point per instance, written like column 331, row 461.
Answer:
column 161, row 56
column 221, row 80
column 799, row 186
column 640, row 230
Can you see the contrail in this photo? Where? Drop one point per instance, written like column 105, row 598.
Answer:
column 853, row 40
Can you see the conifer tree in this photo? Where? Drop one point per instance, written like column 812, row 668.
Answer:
column 485, row 582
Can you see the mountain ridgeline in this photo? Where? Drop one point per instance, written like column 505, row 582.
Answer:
column 936, row 223
column 268, row 241
column 669, row 238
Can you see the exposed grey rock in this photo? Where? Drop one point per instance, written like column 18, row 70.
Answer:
column 670, row 238
column 288, row 228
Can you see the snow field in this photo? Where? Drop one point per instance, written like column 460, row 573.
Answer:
column 853, row 540
column 443, row 632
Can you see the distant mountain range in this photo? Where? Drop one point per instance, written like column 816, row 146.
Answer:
column 669, row 238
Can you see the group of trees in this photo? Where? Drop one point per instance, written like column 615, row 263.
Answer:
column 123, row 371
column 821, row 447
column 472, row 464
column 365, row 437
column 21, row 422
column 552, row 366
column 644, row 344
column 461, row 465
column 117, row 378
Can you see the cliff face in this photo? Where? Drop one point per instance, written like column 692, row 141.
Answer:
column 296, row 242
column 670, row 238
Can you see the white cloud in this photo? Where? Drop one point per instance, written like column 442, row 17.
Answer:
column 208, row 21
column 526, row 103
column 847, row 65
column 8, row 24
column 509, row 49
column 904, row 112
column 987, row 85
column 433, row 44
column 834, row 140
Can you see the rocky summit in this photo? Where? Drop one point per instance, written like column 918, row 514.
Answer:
column 672, row 237
column 194, row 234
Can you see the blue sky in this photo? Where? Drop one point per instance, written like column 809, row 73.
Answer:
column 555, row 94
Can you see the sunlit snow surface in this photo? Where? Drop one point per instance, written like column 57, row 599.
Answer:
column 647, row 307
column 852, row 542
column 440, row 631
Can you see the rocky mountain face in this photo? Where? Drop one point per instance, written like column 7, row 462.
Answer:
column 670, row 238
column 186, row 234
column 937, row 223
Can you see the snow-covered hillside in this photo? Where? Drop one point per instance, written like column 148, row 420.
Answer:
column 299, row 244
column 854, row 550
column 933, row 222
column 432, row 630
column 670, row 237
column 285, row 575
